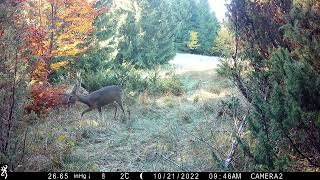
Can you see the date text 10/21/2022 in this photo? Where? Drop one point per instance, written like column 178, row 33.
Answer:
column 219, row 175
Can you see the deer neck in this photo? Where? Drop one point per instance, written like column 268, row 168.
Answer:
column 83, row 99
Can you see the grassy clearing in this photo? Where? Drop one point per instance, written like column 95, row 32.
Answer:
column 165, row 133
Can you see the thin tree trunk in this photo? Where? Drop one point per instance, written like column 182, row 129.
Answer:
column 12, row 103
column 51, row 28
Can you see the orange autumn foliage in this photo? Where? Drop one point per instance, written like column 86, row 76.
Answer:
column 74, row 21
column 35, row 38
column 66, row 24
column 45, row 97
column 57, row 29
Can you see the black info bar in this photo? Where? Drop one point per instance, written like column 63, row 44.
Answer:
column 158, row 175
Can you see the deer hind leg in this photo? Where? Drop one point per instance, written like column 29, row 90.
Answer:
column 121, row 107
column 115, row 110
column 85, row 111
column 102, row 121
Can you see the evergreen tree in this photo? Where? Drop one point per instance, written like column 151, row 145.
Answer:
column 208, row 26
column 140, row 33
column 194, row 15
column 101, row 52
column 157, row 44
column 128, row 46
column 280, row 40
column 182, row 18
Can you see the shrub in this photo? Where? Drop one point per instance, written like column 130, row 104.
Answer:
column 131, row 79
column 125, row 75
column 170, row 84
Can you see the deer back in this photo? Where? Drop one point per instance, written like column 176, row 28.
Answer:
column 105, row 95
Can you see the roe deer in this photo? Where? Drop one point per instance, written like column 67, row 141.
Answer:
column 99, row 98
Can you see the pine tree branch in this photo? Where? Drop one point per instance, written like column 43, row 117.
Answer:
column 301, row 153
column 235, row 73
column 295, row 146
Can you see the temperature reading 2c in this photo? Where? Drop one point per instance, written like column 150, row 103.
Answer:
column 124, row 175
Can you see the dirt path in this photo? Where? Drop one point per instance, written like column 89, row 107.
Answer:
column 167, row 133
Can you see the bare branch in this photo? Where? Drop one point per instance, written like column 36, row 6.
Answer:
column 235, row 144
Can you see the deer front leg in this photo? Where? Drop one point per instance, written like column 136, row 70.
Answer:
column 87, row 110
column 119, row 102
column 100, row 113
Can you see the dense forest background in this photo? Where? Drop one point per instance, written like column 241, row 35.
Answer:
column 269, row 50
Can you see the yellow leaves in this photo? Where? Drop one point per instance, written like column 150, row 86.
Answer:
column 84, row 27
column 58, row 24
column 224, row 43
column 193, row 40
column 61, row 138
column 64, row 139
column 58, row 65
column 33, row 82
column 40, row 72
column 68, row 49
